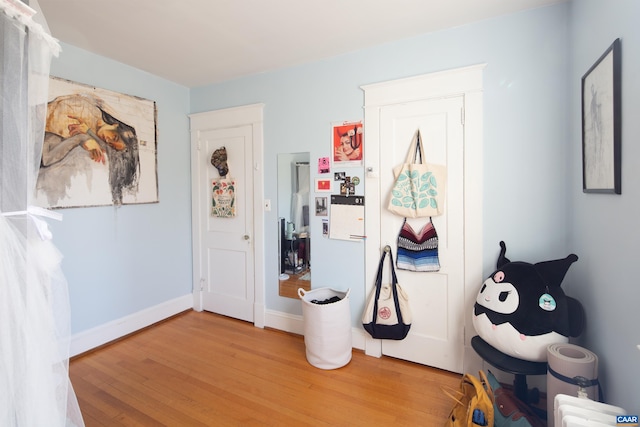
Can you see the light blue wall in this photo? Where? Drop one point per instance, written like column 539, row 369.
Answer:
column 525, row 134
column 604, row 226
column 121, row 261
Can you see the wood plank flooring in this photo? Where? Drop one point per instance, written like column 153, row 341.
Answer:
column 289, row 288
column 202, row 369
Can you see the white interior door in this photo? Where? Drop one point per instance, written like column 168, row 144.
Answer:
column 225, row 248
column 447, row 108
column 436, row 337
column 226, row 253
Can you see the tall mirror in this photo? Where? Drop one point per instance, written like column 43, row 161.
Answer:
column 294, row 238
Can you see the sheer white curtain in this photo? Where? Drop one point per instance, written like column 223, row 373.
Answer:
column 34, row 306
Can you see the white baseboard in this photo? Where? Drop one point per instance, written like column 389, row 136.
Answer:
column 295, row 324
column 100, row 335
column 284, row 322
column 358, row 338
column 103, row 334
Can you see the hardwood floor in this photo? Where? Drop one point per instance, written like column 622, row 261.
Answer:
column 202, row 369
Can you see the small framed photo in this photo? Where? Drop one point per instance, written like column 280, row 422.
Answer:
column 602, row 124
column 323, row 185
column 322, row 207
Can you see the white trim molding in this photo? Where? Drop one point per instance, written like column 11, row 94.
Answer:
column 465, row 81
column 294, row 324
column 103, row 334
column 253, row 115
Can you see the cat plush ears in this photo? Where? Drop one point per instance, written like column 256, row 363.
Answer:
column 552, row 272
column 502, row 260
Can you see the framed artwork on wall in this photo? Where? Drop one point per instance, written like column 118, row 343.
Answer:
column 601, row 124
column 100, row 148
column 321, row 206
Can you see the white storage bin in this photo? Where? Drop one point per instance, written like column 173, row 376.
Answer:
column 327, row 327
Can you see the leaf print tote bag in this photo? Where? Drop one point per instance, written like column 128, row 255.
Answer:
column 419, row 188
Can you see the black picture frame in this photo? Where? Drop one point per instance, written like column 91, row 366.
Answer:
column 601, row 124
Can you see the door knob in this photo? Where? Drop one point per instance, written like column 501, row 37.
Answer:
column 246, row 237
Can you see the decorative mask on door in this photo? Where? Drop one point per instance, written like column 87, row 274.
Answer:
column 219, row 161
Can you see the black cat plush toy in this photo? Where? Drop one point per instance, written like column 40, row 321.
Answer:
column 521, row 308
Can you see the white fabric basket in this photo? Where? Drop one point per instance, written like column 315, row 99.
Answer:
column 327, row 328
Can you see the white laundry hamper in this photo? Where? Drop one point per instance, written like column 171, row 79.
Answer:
column 327, row 327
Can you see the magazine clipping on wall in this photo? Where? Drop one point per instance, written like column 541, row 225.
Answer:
column 347, row 144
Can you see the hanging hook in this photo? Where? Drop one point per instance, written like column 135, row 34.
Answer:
column 387, row 249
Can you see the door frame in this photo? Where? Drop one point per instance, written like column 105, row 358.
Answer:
column 467, row 82
column 219, row 119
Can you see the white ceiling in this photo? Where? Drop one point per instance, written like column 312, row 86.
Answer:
column 199, row 42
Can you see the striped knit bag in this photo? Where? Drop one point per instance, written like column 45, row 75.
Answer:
column 418, row 251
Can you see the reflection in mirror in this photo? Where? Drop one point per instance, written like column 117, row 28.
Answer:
column 294, row 240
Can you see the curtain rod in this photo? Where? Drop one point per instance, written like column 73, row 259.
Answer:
column 18, row 7
column 22, row 13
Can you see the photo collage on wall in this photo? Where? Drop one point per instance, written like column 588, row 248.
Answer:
column 343, row 205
